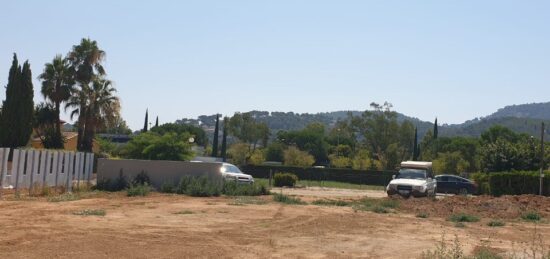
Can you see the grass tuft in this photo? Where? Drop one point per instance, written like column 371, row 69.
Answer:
column 287, row 199
column 326, row 202
column 463, row 217
column 496, row 223
column 184, row 212
column 64, row 197
column 89, row 212
column 531, row 216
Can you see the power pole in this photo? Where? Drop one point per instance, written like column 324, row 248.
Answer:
column 541, row 179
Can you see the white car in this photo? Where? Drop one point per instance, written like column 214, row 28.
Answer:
column 414, row 178
column 232, row 173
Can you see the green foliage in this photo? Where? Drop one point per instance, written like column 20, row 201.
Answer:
column 311, row 139
column 531, row 216
column 91, row 212
column 152, row 146
column 275, row 152
column 482, row 181
column 46, row 124
column 184, row 212
column 340, row 161
column 146, row 121
column 185, row 130
column 450, row 163
column 141, row 179
column 257, row 157
column 199, row 186
column 120, row 183
column 284, row 179
column 287, row 199
column 138, row 190
column 245, row 128
column 168, row 187
column 327, row 202
column 239, row 153
column 69, row 196
column 376, row 205
column 236, row 189
column 516, row 183
column 463, row 217
column 496, row 223
column 296, row 157
column 16, row 122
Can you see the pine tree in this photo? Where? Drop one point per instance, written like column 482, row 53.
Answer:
column 415, row 145
column 435, row 129
column 146, row 123
column 18, row 108
column 215, row 140
column 157, row 122
column 224, row 139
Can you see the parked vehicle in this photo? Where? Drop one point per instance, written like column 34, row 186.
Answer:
column 414, row 178
column 455, row 184
column 232, row 173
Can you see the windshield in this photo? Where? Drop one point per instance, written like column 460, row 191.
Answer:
column 408, row 173
column 230, row 169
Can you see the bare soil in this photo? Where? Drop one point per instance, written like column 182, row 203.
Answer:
column 176, row 226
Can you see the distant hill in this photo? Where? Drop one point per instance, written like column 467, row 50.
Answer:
column 524, row 118
column 531, row 110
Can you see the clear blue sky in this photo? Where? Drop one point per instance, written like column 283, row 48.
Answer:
column 456, row 60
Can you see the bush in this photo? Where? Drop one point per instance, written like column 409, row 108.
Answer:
column 516, row 183
column 496, row 223
column 462, row 217
column 199, row 186
column 287, row 199
column 141, row 179
column 284, row 179
column 167, row 187
column 119, row 184
column 138, row 190
column 531, row 216
column 482, row 181
column 237, row 189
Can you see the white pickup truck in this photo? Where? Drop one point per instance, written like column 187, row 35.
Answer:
column 414, row 178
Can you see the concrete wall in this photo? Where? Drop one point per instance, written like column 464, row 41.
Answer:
column 159, row 172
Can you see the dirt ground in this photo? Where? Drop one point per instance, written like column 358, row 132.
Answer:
column 176, row 226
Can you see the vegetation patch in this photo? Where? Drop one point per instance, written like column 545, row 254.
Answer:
column 284, row 179
column 287, row 199
column 245, row 200
column 531, row 216
column 199, row 186
column 138, row 190
column 376, row 205
column 496, row 223
column 64, row 197
column 463, row 217
column 184, row 212
column 90, row 212
column 237, row 189
column 326, row 202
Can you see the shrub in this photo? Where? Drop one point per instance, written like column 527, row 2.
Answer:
column 120, row 183
column 284, row 179
column 462, row 217
column 287, row 199
column 167, row 187
column 88, row 212
column 138, row 190
column 516, row 183
column 141, row 179
column 496, row 223
column 295, row 157
column 199, row 186
column 531, row 216
column 237, row 189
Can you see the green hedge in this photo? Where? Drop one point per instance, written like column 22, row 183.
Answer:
column 365, row 177
column 284, row 179
column 511, row 183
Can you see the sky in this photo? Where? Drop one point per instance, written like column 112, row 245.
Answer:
column 455, row 60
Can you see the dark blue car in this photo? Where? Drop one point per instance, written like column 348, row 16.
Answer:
column 455, row 184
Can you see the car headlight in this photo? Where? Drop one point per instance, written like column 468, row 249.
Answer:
column 419, row 187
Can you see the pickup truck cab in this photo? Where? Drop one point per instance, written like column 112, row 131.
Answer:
column 414, row 178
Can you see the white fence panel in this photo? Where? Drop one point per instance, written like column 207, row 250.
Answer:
column 4, row 178
column 25, row 169
column 70, row 173
column 51, row 163
column 89, row 166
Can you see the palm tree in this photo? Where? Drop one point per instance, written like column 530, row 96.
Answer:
column 97, row 106
column 85, row 60
column 57, row 81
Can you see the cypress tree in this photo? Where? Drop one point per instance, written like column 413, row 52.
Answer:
column 224, row 139
column 415, row 145
column 145, row 124
column 435, row 129
column 18, row 108
column 215, row 140
column 157, row 122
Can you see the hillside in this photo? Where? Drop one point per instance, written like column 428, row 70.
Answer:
column 524, row 118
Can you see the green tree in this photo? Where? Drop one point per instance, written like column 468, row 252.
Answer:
column 311, row 139
column 275, row 152
column 157, row 122
column 196, row 132
column 216, row 136
column 224, row 139
column 436, row 130
column 415, row 145
column 239, row 153
column 57, row 81
column 295, row 157
column 45, row 119
column 18, row 108
column 153, row 146
column 450, row 163
column 146, row 121
column 245, row 128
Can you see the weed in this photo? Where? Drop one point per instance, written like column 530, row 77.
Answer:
column 531, row 216
column 462, row 217
column 88, row 212
column 184, row 212
column 325, row 202
column 138, row 190
column 287, row 199
column 240, row 201
column 64, row 197
column 422, row 215
column 496, row 223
